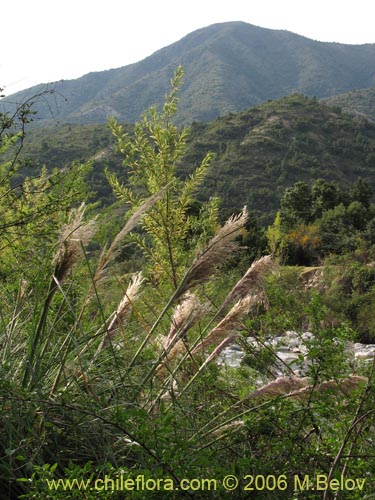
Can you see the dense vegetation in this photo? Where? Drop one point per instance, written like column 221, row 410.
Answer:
column 319, row 220
column 265, row 149
column 319, row 223
column 360, row 102
column 229, row 67
column 108, row 374
column 257, row 153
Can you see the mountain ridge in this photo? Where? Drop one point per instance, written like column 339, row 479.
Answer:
column 228, row 67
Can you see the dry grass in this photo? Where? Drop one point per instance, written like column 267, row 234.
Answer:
column 229, row 324
column 73, row 236
column 185, row 315
column 108, row 255
column 251, row 280
column 124, row 308
column 300, row 387
column 218, row 250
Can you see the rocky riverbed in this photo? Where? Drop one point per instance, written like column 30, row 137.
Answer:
column 291, row 351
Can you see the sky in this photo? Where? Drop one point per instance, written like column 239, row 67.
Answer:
column 49, row 40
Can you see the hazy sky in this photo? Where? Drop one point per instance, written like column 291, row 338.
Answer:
column 49, row 40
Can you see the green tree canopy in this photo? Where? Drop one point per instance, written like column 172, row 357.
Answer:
column 296, row 204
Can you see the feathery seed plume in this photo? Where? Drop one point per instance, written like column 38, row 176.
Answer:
column 75, row 234
column 219, row 249
column 253, row 278
column 185, row 315
column 280, row 387
column 134, row 220
column 229, row 324
column 345, row 386
column 300, row 388
column 228, row 340
column 108, row 255
column 168, row 363
column 124, row 307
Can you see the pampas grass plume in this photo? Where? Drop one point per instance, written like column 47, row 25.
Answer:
column 218, row 250
column 185, row 315
column 124, row 307
column 300, row 388
column 252, row 279
column 229, row 324
column 75, row 234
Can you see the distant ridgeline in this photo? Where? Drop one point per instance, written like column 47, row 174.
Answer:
column 228, row 68
column 257, row 153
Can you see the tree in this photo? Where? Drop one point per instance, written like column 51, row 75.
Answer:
column 357, row 215
column 336, row 234
column 276, row 237
column 325, row 196
column 171, row 228
column 362, row 192
column 296, row 204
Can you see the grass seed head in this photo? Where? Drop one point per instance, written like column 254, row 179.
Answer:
column 74, row 235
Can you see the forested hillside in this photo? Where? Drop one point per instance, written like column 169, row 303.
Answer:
column 257, row 153
column 357, row 102
column 263, row 150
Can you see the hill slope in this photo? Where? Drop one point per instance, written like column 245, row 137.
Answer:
column 358, row 102
column 228, row 67
column 258, row 152
column 261, row 151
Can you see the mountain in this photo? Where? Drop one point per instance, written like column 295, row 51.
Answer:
column 228, row 68
column 257, row 153
column 358, row 102
column 261, row 151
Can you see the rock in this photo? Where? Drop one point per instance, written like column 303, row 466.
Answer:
column 288, row 357
column 307, row 336
column 289, row 348
column 231, row 355
column 363, row 351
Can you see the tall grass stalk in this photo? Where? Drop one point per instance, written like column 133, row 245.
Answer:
column 217, row 251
